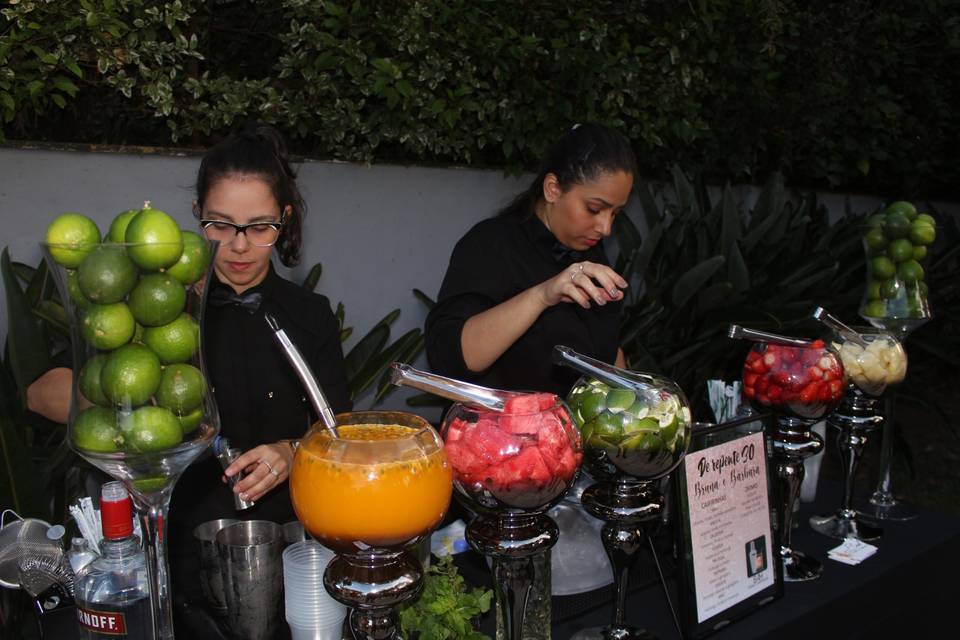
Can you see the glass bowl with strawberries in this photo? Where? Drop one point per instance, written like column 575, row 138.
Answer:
column 806, row 382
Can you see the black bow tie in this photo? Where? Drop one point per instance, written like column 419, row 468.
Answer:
column 561, row 253
column 249, row 302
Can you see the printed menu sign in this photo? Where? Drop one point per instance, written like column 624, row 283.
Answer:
column 730, row 531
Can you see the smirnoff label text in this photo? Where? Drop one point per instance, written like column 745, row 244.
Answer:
column 106, row 622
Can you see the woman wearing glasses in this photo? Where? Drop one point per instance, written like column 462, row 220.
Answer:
column 247, row 198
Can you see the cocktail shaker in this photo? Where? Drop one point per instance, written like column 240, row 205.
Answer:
column 226, row 455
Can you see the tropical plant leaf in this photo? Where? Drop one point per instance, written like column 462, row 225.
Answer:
column 406, row 354
column 424, row 298
column 374, row 366
column 368, row 347
column 345, row 333
column 22, row 480
column 694, row 279
column 339, row 314
column 388, row 319
column 29, row 353
column 310, row 282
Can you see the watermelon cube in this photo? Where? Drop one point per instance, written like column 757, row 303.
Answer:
column 488, row 442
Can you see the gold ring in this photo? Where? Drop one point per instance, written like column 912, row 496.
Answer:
column 276, row 474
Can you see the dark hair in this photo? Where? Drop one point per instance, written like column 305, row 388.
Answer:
column 583, row 153
column 259, row 150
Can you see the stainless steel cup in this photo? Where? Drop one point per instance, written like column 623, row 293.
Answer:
column 251, row 565
column 210, row 579
column 293, row 531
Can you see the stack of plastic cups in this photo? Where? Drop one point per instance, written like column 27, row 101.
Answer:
column 311, row 613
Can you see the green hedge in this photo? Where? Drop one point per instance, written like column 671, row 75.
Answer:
column 855, row 94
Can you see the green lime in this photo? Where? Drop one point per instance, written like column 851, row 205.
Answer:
column 875, row 239
column 900, row 250
column 193, row 261
column 883, row 267
column 644, row 442
column 89, row 380
column 922, row 233
column 873, row 290
column 174, row 342
column 181, row 388
column 130, row 375
column 157, row 299
column 605, row 426
column 73, row 288
column 118, row 228
column 137, row 333
column 910, row 271
column 926, row 218
column 158, row 239
column 903, row 208
column 151, row 484
column 107, row 326
column 71, row 236
column 876, row 221
column 620, row 399
column 919, row 252
column 191, row 421
column 890, row 287
column 898, row 225
column 669, row 425
column 95, row 429
column 644, row 424
column 875, row 309
column 593, row 405
column 106, row 275
column 152, row 429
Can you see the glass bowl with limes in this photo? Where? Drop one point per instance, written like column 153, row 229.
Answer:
column 896, row 241
column 141, row 409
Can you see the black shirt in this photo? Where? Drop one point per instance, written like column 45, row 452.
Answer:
column 496, row 260
column 259, row 398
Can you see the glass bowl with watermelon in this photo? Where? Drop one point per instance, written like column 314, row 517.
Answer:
column 523, row 459
column 638, row 428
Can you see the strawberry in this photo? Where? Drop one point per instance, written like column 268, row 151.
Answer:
column 750, row 378
column 809, row 393
column 825, row 395
column 836, row 388
column 775, row 394
column 771, row 358
column 763, row 383
column 762, row 399
column 750, row 392
column 815, row 373
column 780, row 378
column 818, row 344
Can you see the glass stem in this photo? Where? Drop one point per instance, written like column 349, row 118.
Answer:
column 884, row 492
column 514, row 577
column 153, row 520
column 621, row 542
column 850, row 444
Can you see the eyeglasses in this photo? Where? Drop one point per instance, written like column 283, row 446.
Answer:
column 259, row 234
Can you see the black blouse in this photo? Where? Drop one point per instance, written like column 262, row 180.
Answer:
column 496, row 260
column 259, row 398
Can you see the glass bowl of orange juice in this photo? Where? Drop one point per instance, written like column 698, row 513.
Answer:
column 384, row 483
column 370, row 493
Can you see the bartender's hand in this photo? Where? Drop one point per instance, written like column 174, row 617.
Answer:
column 267, row 467
column 583, row 283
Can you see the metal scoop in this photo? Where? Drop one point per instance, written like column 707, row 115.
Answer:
column 403, row 375
column 302, row 369
column 614, row 376
column 742, row 333
column 834, row 323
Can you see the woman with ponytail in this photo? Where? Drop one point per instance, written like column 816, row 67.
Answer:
column 535, row 275
column 247, row 199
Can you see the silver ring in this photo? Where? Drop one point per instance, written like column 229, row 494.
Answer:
column 276, row 474
column 574, row 275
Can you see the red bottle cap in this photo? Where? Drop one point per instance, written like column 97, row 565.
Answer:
column 116, row 511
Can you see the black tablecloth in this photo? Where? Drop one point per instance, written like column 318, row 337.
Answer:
column 907, row 589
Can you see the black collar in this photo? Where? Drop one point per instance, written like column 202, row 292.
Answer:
column 544, row 239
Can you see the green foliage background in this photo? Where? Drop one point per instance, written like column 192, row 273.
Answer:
column 855, row 94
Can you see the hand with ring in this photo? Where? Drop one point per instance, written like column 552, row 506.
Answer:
column 584, row 283
column 267, row 466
